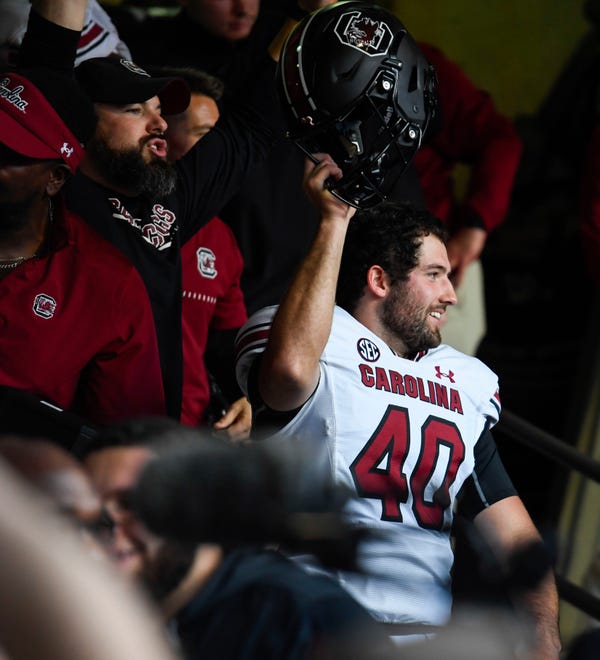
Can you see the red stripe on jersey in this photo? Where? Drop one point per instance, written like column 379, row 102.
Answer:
column 252, row 337
column 89, row 35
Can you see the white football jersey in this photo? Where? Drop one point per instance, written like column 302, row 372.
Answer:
column 400, row 433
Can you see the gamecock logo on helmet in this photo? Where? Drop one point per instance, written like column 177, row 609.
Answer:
column 363, row 33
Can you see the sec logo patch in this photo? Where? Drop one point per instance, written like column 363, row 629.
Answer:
column 368, row 350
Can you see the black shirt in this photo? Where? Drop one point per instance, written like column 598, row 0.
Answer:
column 260, row 605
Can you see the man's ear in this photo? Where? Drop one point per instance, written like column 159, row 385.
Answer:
column 59, row 173
column 378, row 281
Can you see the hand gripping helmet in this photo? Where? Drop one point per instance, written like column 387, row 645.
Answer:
column 355, row 85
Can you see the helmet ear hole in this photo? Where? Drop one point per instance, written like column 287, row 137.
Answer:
column 354, row 84
column 414, row 80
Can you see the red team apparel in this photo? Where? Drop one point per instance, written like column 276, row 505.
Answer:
column 472, row 131
column 401, row 434
column 76, row 326
column 212, row 266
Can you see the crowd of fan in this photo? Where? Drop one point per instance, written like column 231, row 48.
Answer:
column 181, row 294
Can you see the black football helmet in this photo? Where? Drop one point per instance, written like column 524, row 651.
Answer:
column 355, row 85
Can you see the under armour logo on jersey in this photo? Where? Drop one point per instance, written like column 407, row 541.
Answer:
column 44, row 305
column 206, row 260
column 440, row 374
column 368, row 350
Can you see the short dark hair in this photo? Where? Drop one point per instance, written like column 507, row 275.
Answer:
column 151, row 432
column 390, row 235
column 199, row 82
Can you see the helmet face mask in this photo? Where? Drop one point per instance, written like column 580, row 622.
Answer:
column 366, row 100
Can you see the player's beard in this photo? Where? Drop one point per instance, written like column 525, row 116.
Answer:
column 405, row 318
column 126, row 168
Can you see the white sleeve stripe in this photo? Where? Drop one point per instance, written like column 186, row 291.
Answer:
column 496, row 405
column 254, row 348
column 251, row 334
column 479, row 490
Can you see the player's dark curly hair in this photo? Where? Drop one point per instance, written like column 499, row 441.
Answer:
column 389, row 235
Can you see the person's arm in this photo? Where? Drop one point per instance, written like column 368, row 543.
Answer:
column 508, row 528
column 52, row 35
column 464, row 247
column 289, row 369
column 57, row 601
column 69, row 14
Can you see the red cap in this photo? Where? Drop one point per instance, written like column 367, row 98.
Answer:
column 30, row 126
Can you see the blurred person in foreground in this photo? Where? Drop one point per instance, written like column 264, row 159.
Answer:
column 211, row 507
column 59, row 595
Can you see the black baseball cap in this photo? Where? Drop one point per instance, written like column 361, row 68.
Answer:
column 118, row 81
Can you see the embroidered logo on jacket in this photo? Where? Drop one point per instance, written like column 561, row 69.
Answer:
column 206, row 260
column 13, row 96
column 44, row 305
column 158, row 231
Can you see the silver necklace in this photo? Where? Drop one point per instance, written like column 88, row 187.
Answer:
column 12, row 262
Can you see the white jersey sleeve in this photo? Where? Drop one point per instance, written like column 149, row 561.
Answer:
column 250, row 342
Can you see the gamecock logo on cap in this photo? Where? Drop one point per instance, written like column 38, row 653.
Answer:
column 363, row 33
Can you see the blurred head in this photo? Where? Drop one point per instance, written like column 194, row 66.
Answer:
column 55, row 473
column 114, row 465
column 201, row 115
column 404, row 248
column 231, row 20
column 12, row 28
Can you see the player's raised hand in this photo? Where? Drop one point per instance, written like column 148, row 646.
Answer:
column 316, row 175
